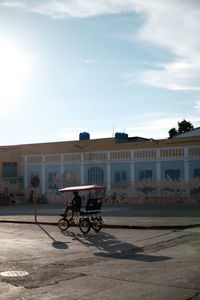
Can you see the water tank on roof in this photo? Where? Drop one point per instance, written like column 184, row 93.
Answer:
column 84, row 136
column 121, row 135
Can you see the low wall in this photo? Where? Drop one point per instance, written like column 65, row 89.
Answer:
column 146, row 191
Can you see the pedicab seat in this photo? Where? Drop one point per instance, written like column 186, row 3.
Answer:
column 93, row 206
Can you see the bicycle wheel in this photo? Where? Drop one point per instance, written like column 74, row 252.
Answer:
column 63, row 224
column 97, row 224
column 84, row 226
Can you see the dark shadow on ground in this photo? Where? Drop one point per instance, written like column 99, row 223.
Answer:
column 56, row 244
column 154, row 210
column 111, row 247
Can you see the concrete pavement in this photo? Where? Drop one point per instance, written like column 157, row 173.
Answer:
column 41, row 262
column 146, row 216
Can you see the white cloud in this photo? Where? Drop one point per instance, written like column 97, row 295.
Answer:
column 154, row 125
column 172, row 24
column 74, row 8
column 173, row 76
column 158, row 128
column 149, row 125
column 88, row 61
column 13, row 4
column 175, row 25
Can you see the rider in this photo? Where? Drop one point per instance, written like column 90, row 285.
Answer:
column 76, row 203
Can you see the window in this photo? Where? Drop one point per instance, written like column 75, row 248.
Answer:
column 117, row 177
column 173, row 174
column 196, row 172
column 9, row 169
column 120, row 177
column 95, row 175
column 144, row 174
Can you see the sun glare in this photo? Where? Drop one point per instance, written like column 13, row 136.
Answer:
column 14, row 67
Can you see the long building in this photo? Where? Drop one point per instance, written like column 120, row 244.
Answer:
column 134, row 168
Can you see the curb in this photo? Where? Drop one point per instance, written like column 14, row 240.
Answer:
column 161, row 227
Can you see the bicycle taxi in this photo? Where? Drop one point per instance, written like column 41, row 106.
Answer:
column 87, row 218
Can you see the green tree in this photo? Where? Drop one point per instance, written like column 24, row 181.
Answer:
column 172, row 132
column 183, row 126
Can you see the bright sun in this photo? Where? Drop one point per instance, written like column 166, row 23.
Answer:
column 14, row 68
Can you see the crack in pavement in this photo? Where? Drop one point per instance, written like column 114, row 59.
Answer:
column 193, row 297
column 40, row 275
column 158, row 235
column 146, row 282
column 172, row 242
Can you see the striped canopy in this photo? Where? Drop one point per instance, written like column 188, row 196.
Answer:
column 82, row 188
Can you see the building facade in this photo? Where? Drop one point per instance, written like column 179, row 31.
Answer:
column 130, row 168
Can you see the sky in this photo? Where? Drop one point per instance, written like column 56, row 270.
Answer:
column 97, row 66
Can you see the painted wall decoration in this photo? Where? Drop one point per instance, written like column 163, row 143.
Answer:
column 151, row 191
column 70, row 178
column 53, row 181
column 147, row 181
column 57, row 180
column 12, row 185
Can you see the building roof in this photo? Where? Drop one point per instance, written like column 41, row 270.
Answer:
column 193, row 132
column 104, row 144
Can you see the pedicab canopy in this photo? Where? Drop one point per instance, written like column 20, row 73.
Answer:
column 82, row 188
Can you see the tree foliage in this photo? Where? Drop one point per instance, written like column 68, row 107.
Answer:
column 172, row 132
column 183, row 126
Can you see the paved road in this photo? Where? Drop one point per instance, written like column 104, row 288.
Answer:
column 134, row 210
column 113, row 264
column 132, row 216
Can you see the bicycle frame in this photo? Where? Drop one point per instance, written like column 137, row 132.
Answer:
column 89, row 218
